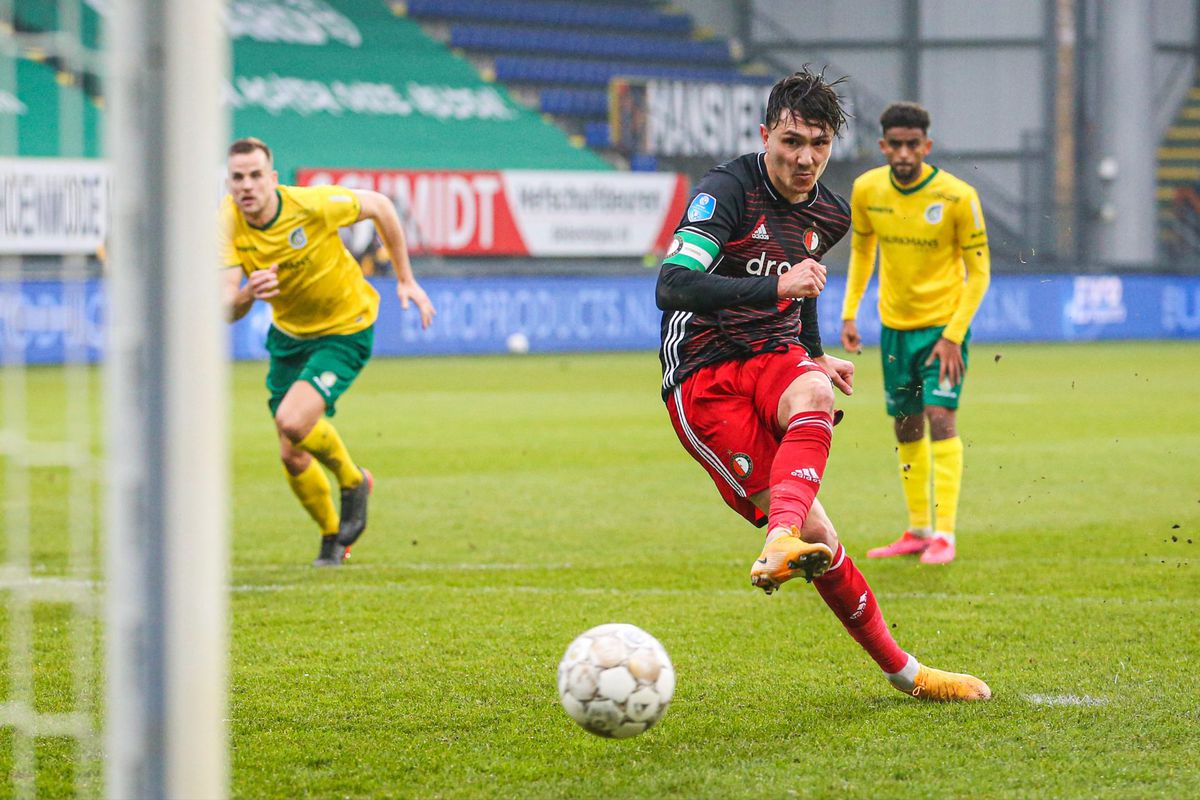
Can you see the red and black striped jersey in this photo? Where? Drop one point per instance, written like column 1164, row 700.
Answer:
column 738, row 226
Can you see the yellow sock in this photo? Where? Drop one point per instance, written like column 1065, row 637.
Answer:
column 327, row 447
column 311, row 488
column 914, row 477
column 947, row 481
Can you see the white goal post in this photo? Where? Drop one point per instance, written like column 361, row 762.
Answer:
column 166, row 379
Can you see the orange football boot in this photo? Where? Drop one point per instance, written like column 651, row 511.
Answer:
column 786, row 557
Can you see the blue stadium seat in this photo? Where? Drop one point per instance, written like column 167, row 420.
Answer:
column 575, row 102
column 558, row 14
column 643, row 162
column 596, row 135
column 563, row 71
column 593, row 45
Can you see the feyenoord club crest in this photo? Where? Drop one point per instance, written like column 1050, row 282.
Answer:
column 933, row 214
column 676, row 246
column 812, row 240
column 742, row 465
column 297, row 239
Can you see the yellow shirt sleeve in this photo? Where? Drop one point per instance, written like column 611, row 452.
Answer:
column 862, row 252
column 339, row 206
column 972, row 238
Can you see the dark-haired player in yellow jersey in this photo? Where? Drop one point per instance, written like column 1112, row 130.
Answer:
column 283, row 240
column 934, row 269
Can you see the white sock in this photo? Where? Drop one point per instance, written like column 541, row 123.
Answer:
column 906, row 679
column 923, row 533
column 949, row 537
column 775, row 533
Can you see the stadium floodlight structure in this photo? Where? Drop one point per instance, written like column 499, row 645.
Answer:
column 167, row 552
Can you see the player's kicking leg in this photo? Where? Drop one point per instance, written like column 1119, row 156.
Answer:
column 846, row 592
column 805, row 413
column 803, row 542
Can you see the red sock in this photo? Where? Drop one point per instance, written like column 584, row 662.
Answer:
column 798, row 466
column 845, row 591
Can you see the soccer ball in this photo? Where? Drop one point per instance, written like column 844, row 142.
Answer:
column 517, row 343
column 616, row 680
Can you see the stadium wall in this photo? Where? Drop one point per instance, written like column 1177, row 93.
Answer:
column 40, row 321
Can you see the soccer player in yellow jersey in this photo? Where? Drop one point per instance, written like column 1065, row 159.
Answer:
column 934, row 269
column 283, row 242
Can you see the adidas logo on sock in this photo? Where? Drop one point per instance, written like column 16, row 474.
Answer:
column 806, row 474
column 862, row 606
column 760, row 232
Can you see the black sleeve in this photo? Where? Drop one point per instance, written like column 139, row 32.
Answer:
column 683, row 289
column 728, row 195
column 810, row 329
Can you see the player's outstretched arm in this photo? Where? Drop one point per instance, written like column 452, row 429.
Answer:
column 379, row 209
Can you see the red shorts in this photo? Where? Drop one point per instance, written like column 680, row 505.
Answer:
column 726, row 416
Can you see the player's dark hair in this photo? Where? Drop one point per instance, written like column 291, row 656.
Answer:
column 904, row 115
column 248, row 145
column 808, row 96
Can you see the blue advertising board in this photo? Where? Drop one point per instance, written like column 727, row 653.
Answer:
column 51, row 322
column 47, row 322
column 477, row 315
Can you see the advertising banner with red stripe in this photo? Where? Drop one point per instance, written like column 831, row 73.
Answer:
column 523, row 212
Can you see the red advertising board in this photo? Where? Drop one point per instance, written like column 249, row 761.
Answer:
column 525, row 212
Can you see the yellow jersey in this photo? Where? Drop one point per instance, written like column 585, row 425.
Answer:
column 322, row 290
column 934, row 265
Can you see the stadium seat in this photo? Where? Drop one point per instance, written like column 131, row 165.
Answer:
column 574, row 102
column 554, row 14
column 563, row 71
column 596, row 135
column 589, row 45
column 565, row 53
column 643, row 162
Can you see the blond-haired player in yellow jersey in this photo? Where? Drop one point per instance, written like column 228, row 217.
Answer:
column 934, row 269
column 283, row 242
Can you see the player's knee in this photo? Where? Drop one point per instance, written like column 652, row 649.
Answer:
column 822, row 396
column 813, row 392
column 941, row 422
column 910, row 427
column 292, row 426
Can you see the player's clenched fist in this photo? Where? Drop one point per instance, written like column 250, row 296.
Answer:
column 264, row 283
column 805, row 279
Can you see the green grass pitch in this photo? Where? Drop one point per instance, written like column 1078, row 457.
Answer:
column 522, row 500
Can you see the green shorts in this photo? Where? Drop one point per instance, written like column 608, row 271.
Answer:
column 329, row 363
column 908, row 384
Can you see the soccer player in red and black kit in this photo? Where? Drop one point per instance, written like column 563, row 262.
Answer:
column 746, row 383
